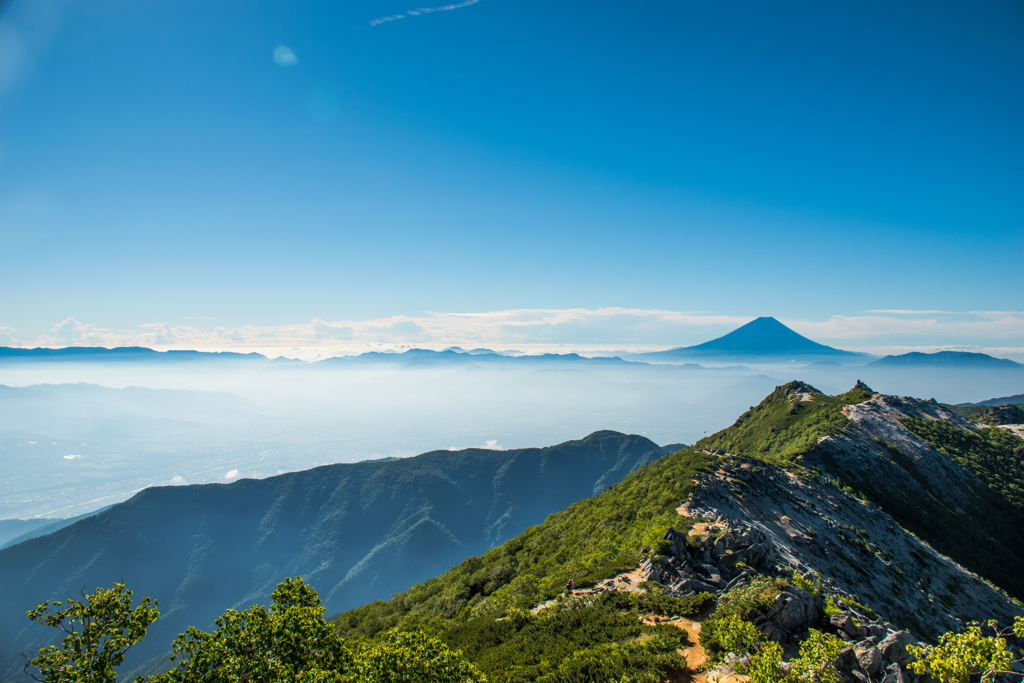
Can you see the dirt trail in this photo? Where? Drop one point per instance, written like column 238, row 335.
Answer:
column 693, row 653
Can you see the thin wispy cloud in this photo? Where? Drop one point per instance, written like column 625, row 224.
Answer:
column 422, row 10
column 910, row 312
column 973, row 325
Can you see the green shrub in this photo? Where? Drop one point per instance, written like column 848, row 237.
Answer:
column 765, row 667
column 743, row 603
column 815, row 662
column 812, row 587
column 734, row 635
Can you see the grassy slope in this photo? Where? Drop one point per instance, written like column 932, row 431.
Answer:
column 994, row 455
column 603, row 640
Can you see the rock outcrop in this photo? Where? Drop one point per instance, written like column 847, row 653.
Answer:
column 785, row 523
column 1007, row 414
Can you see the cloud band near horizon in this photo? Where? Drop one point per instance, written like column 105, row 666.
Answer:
column 580, row 329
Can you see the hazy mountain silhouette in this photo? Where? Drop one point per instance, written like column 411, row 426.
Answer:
column 10, row 354
column 13, row 528
column 1019, row 398
column 949, row 359
column 33, row 528
column 356, row 532
column 760, row 338
column 139, row 354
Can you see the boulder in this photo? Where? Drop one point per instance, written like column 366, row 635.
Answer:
column 770, row 630
column 894, row 674
column 698, row 586
column 846, row 623
column 793, row 610
column 877, row 631
column 845, row 662
column 869, row 659
column 894, row 648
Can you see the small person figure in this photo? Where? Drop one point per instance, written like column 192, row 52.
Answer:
column 571, row 585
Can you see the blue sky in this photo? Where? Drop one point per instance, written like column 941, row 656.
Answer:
column 690, row 164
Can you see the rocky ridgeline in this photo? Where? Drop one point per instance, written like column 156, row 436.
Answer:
column 867, row 448
column 811, row 526
column 876, row 652
column 714, row 564
column 723, row 557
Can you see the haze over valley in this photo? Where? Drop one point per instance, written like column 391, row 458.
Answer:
column 79, row 433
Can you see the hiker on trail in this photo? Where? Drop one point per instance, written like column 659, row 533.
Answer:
column 571, row 585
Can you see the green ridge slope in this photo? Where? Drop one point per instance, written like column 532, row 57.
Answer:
column 786, row 424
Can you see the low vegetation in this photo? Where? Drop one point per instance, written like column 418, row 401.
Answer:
column 576, row 640
column 727, row 626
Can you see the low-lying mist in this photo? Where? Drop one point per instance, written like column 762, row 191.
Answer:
column 77, row 436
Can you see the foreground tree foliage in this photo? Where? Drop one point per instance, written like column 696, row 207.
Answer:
column 100, row 628
column 288, row 642
column 958, row 656
column 292, row 642
column 412, row 657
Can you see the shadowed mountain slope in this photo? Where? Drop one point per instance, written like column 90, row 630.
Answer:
column 356, row 532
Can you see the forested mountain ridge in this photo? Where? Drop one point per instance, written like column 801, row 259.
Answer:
column 828, row 488
column 355, row 532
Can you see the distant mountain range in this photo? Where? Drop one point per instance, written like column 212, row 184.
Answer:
column 138, row 354
column 356, row 532
column 1019, row 398
column 760, row 338
column 120, row 353
column 948, row 359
